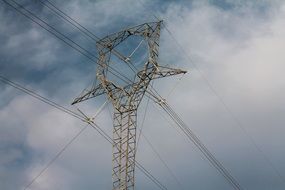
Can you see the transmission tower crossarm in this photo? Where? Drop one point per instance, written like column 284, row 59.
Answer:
column 161, row 72
column 93, row 92
column 99, row 90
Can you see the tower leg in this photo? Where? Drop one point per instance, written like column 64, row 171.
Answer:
column 124, row 145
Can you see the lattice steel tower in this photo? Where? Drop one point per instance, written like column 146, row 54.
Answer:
column 126, row 98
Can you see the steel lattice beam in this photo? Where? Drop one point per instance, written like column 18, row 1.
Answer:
column 126, row 99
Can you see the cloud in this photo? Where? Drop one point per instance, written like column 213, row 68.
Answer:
column 237, row 46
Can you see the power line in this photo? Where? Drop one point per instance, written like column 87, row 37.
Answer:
column 59, row 13
column 41, row 98
column 163, row 162
column 153, row 148
column 76, row 115
column 194, row 139
column 51, row 6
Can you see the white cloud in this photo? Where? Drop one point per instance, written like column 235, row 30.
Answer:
column 240, row 53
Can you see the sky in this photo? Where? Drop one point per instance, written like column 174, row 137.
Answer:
column 232, row 96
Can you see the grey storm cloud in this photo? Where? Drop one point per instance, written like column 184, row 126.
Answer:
column 232, row 96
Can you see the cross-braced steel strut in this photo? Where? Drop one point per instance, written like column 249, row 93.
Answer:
column 126, row 98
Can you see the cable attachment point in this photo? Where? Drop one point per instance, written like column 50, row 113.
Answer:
column 86, row 119
column 161, row 101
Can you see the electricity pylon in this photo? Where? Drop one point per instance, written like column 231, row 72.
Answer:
column 126, row 99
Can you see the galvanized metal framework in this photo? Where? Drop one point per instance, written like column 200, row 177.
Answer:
column 126, row 99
